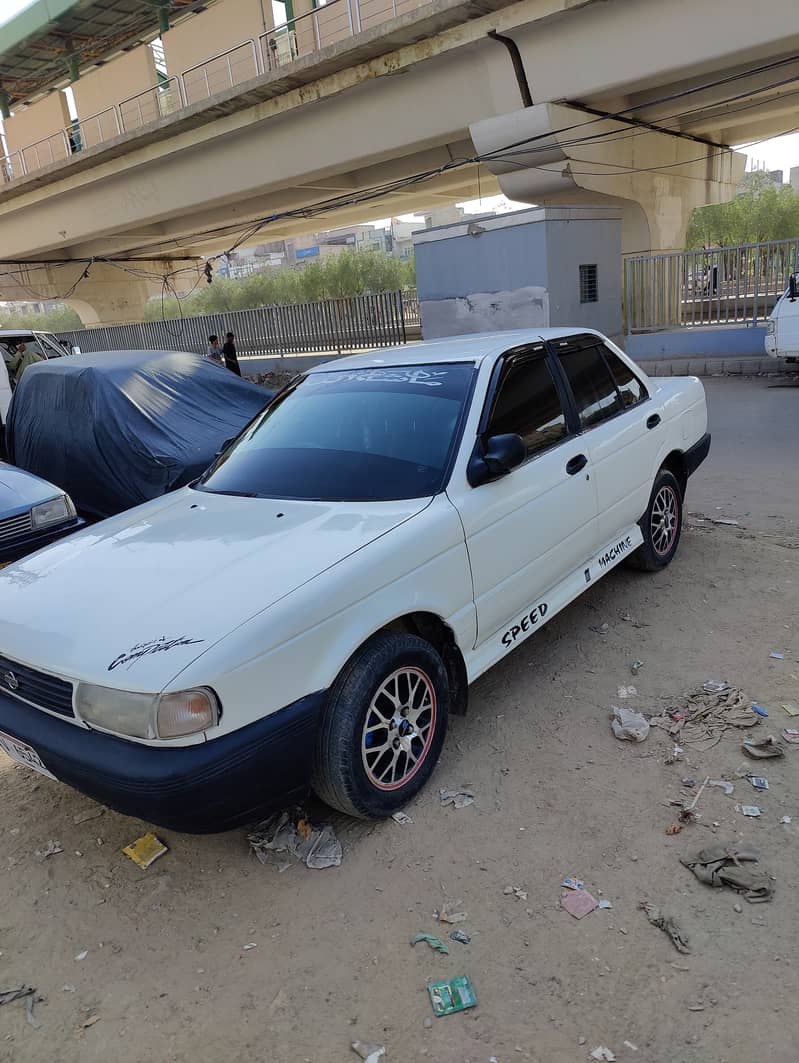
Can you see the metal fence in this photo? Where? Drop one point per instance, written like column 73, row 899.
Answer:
column 332, row 326
column 717, row 286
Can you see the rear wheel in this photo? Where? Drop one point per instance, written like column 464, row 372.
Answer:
column 383, row 728
column 661, row 525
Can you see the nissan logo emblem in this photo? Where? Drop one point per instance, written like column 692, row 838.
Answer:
column 10, row 680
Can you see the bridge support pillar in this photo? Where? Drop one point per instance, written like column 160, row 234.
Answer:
column 555, row 153
column 101, row 293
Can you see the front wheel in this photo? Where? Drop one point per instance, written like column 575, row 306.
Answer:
column 383, row 727
column 661, row 525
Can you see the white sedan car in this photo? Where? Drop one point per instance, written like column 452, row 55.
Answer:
column 309, row 612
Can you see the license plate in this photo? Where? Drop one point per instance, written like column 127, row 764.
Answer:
column 23, row 754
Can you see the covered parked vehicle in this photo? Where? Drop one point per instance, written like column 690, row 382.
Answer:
column 123, row 427
column 33, row 513
column 391, row 526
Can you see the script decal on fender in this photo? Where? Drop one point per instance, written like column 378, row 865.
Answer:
column 529, row 620
column 615, row 552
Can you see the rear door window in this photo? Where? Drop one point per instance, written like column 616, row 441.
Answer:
column 631, row 389
column 595, row 393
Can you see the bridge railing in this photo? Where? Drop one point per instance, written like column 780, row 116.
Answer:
column 151, row 104
column 330, row 22
column 220, row 72
column 50, row 149
column 329, row 326
column 11, row 166
column 95, row 129
column 712, row 286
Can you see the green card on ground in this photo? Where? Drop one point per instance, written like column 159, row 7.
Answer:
column 455, row 995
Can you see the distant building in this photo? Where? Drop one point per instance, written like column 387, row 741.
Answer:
column 752, row 176
column 794, row 178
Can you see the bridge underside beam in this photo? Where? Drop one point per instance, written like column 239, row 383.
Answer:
column 101, row 293
column 560, row 154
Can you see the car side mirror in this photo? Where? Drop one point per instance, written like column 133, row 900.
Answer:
column 75, row 350
column 495, row 457
column 792, row 287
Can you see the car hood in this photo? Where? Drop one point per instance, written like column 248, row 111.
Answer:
column 20, row 489
column 133, row 600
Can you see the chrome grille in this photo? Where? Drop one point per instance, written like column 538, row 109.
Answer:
column 12, row 527
column 38, row 688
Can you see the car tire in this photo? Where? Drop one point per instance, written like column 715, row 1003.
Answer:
column 364, row 765
column 661, row 525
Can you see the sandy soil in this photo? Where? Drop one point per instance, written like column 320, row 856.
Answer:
column 556, row 794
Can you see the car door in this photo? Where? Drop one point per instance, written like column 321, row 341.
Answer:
column 528, row 530
column 621, row 426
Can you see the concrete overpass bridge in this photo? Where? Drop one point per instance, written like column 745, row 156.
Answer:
column 551, row 101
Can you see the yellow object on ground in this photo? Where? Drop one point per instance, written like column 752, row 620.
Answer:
column 145, row 850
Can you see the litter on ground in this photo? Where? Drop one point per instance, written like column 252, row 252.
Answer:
column 668, row 924
column 290, row 832
column 727, row 865
column 432, row 941
column 629, row 726
column 367, row 1052
column 706, row 714
column 402, row 818
column 603, row 1053
column 145, row 850
column 764, row 749
column 578, row 903
column 457, row 994
column 458, row 798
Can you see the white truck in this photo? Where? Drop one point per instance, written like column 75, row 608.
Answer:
column 782, row 326
column 387, row 529
column 42, row 343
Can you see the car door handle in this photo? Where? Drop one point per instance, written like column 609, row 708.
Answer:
column 653, row 421
column 579, row 461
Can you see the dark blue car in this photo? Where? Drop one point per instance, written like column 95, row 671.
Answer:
column 33, row 513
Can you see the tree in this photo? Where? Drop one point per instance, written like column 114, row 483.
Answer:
column 760, row 212
column 59, row 319
column 348, row 274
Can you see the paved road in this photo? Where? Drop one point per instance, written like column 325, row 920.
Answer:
column 752, row 474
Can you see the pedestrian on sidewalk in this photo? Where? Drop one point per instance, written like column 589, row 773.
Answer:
column 229, row 354
column 214, row 352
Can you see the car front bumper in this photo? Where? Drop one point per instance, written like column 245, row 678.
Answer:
column 26, row 544
column 214, row 786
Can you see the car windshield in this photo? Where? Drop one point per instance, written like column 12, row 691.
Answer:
column 372, row 434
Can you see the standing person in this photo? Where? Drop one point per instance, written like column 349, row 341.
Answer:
column 229, row 352
column 214, row 352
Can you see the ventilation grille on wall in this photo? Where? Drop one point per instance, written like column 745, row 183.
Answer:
column 589, row 291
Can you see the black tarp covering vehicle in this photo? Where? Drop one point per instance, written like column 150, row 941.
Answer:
column 118, row 428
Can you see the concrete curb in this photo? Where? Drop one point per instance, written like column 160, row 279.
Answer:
column 701, row 366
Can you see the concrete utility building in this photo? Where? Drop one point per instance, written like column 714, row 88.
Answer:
column 529, row 269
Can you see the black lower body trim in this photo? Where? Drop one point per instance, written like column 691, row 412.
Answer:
column 199, row 789
column 696, row 454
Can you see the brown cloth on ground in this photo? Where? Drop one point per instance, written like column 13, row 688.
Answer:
column 722, row 865
column 707, row 715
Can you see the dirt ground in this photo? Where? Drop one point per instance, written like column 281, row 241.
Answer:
column 167, row 976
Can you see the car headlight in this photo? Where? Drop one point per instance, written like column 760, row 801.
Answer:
column 771, row 327
column 185, row 712
column 56, row 511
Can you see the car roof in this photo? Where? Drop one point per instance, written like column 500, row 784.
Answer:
column 472, row 348
column 6, row 332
